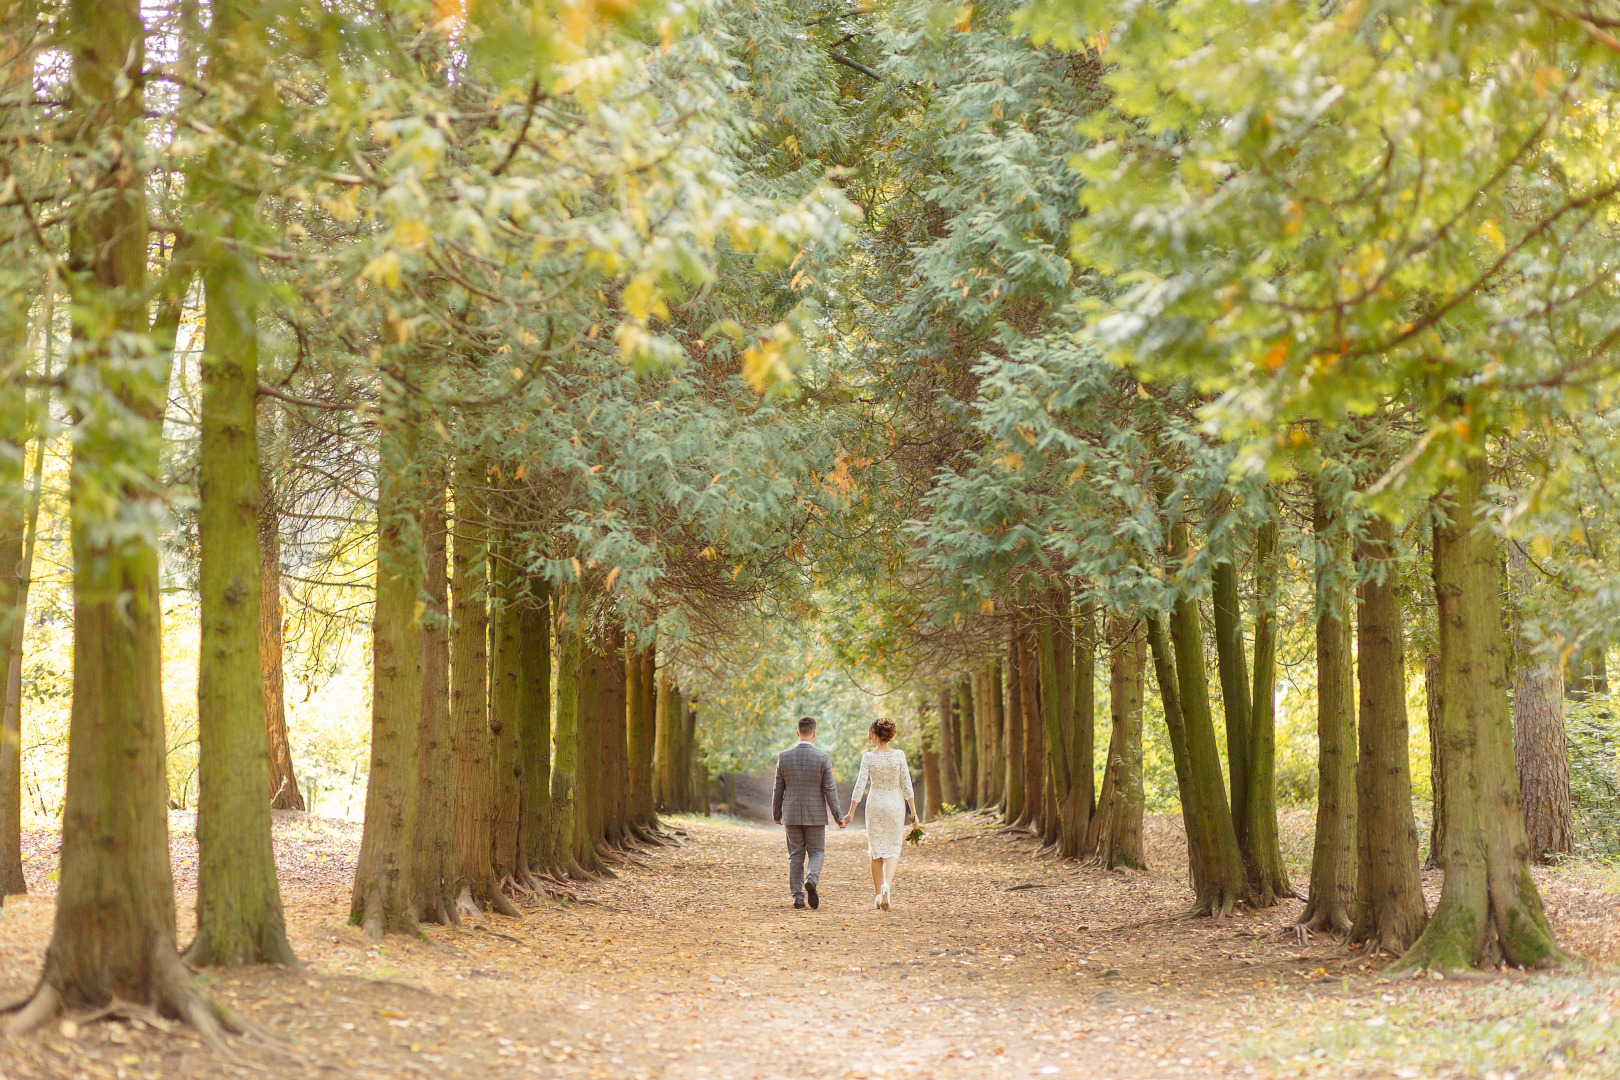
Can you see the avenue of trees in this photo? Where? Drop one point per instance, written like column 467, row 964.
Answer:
column 1024, row 349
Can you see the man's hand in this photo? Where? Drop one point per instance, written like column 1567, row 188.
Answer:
column 777, row 820
column 843, row 822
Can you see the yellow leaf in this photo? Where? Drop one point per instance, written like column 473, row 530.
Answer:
column 383, row 270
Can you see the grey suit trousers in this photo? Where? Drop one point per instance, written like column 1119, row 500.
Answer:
column 805, row 843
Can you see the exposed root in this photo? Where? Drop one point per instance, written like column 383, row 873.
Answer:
column 35, row 1011
column 466, row 907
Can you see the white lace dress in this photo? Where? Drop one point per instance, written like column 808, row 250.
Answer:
column 889, row 777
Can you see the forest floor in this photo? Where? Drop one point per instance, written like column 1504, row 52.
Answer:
column 994, row 961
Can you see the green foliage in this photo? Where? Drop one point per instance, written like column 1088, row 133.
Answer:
column 1594, row 775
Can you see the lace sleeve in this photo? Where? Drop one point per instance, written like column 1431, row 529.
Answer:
column 860, row 785
column 905, row 776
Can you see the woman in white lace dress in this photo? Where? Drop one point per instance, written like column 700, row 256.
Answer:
column 886, row 779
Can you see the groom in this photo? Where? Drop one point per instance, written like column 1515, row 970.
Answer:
column 804, row 794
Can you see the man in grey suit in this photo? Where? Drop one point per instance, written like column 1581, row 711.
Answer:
column 805, row 792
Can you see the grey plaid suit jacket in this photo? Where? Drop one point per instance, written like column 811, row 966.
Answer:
column 805, row 791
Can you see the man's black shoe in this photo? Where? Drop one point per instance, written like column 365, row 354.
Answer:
column 810, row 891
column 798, row 902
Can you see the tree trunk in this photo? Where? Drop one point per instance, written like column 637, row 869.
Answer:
column 1265, row 875
column 1332, row 899
column 949, row 774
column 534, row 717
column 1234, row 687
column 967, row 721
column 1489, row 904
column 1055, row 648
column 615, row 741
column 14, row 574
column 1389, row 891
column 469, row 694
column 433, row 862
column 383, row 898
column 239, row 918
column 666, row 744
column 991, row 766
column 1116, row 830
column 689, row 797
column 588, row 815
column 930, row 761
column 1539, row 746
column 114, row 932
column 1081, row 805
column 1034, row 758
column 284, row 792
column 642, row 724
column 505, row 709
column 565, row 749
column 1217, row 865
column 1013, row 733
column 1437, row 774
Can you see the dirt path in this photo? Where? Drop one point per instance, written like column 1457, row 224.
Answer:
column 693, row 964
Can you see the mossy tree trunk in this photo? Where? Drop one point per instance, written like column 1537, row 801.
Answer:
column 588, row 816
column 239, row 919
column 929, row 742
column 1265, row 875
column 1437, row 772
column 114, row 930
column 1081, row 805
column 1116, row 829
column 433, row 863
column 1389, row 892
column 1013, row 734
column 1234, row 687
column 666, row 743
column 565, row 749
column 1540, row 744
column 689, row 794
column 1034, row 761
column 1330, row 906
column 535, row 719
column 1055, row 654
column 1489, row 905
column 615, row 740
column 641, row 724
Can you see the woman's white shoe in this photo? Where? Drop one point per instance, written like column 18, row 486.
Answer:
column 883, row 898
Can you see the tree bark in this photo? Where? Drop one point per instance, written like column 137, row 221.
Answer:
column 1389, row 911
column 1540, row 750
column 1489, row 904
column 931, row 780
column 114, row 932
column 565, row 749
column 615, row 740
column 1331, row 903
column 588, row 815
column 433, row 862
column 1013, row 733
column 1234, row 687
column 1437, row 774
column 1081, row 806
column 505, row 709
column 284, row 792
column 1265, row 875
column 642, row 729
column 666, row 729
column 1116, row 829
column 967, row 721
column 1055, row 649
column 239, row 919
column 1034, row 758
column 989, row 711
column 534, row 717
column 949, row 769
column 689, row 796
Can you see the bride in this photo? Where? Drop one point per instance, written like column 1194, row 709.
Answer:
column 889, row 776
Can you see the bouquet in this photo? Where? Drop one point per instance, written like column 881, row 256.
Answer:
column 917, row 834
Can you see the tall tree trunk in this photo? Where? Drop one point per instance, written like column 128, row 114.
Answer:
column 534, row 716
column 433, row 862
column 1265, row 874
column 1034, row 758
column 615, row 740
column 588, row 815
column 1081, row 805
column 967, row 721
column 930, row 762
column 1013, row 732
column 471, row 742
column 1332, row 899
column 1055, row 650
column 1437, row 774
column 114, row 932
column 1489, row 904
column 992, row 768
column 1389, row 911
column 383, row 898
column 565, row 748
column 239, row 918
column 666, row 743
column 641, row 731
column 284, row 792
column 949, row 772
column 1217, row 864
column 505, row 708
column 1234, row 687
column 1540, row 750
column 1116, row 830
column 689, row 796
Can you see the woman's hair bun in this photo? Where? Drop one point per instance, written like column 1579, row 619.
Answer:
column 883, row 728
